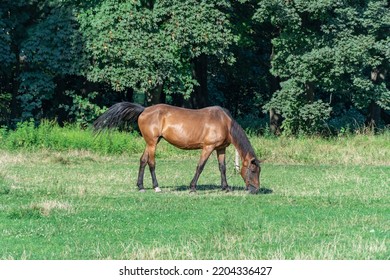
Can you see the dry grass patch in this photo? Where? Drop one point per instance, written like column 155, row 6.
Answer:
column 40, row 209
column 46, row 207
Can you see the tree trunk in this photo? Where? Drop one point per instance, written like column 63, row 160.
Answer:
column 156, row 95
column 374, row 110
column 275, row 119
column 15, row 108
column 275, row 122
column 128, row 94
column 374, row 115
column 199, row 98
column 310, row 94
column 177, row 99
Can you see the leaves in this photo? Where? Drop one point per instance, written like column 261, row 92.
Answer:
column 311, row 61
column 327, row 48
column 138, row 47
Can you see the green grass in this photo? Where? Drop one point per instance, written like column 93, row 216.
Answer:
column 322, row 199
column 348, row 149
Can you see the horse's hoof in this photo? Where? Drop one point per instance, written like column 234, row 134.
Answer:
column 157, row 189
column 192, row 190
column 142, row 190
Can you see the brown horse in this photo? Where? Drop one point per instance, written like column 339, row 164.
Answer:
column 208, row 129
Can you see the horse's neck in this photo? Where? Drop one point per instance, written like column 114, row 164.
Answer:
column 240, row 141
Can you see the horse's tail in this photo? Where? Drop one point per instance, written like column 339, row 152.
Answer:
column 117, row 114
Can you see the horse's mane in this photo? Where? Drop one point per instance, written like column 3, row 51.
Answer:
column 239, row 138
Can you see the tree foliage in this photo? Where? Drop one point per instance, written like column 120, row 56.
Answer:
column 145, row 44
column 316, row 64
column 327, row 54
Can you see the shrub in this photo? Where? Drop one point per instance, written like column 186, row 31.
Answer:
column 50, row 135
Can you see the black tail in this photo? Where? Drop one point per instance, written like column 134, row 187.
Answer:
column 117, row 114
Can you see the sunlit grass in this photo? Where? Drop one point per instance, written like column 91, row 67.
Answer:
column 82, row 205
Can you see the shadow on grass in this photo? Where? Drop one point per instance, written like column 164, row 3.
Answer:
column 262, row 190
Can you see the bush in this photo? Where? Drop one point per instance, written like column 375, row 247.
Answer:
column 24, row 136
column 50, row 135
column 301, row 115
column 351, row 121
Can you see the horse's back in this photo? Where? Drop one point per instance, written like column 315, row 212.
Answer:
column 186, row 128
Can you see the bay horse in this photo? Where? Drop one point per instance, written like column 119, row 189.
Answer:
column 208, row 129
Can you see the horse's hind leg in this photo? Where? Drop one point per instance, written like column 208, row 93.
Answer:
column 222, row 168
column 143, row 161
column 148, row 157
column 206, row 152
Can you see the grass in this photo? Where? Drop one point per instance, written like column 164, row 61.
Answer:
column 349, row 149
column 322, row 199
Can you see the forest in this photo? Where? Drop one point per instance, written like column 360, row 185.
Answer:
column 279, row 66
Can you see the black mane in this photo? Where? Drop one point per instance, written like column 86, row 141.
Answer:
column 241, row 141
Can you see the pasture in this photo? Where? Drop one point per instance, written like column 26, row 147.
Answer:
column 320, row 199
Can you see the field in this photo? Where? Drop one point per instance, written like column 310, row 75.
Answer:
column 320, row 199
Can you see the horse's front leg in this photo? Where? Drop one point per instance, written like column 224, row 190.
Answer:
column 206, row 152
column 222, row 168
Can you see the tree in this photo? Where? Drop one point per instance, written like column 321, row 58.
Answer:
column 244, row 86
column 156, row 47
column 325, row 54
column 12, row 20
column 52, row 52
column 309, row 64
column 41, row 47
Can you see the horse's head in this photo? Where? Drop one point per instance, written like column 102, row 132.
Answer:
column 250, row 172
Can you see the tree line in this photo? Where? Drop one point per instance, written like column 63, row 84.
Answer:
column 290, row 66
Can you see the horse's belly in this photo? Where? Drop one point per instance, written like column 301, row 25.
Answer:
column 190, row 138
column 186, row 146
column 182, row 139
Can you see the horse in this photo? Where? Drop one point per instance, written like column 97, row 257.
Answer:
column 209, row 129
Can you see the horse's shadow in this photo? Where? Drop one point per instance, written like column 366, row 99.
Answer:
column 262, row 190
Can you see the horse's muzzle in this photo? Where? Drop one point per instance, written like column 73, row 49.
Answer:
column 252, row 189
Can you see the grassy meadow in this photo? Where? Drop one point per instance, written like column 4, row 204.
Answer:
column 320, row 199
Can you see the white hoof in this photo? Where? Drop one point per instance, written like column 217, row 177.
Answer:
column 157, row 189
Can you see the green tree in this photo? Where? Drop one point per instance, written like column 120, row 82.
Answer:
column 328, row 54
column 244, row 86
column 6, row 59
column 52, row 52
column 314, row 63
column 157, row 47
column 41, row 48
column 12, row 20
